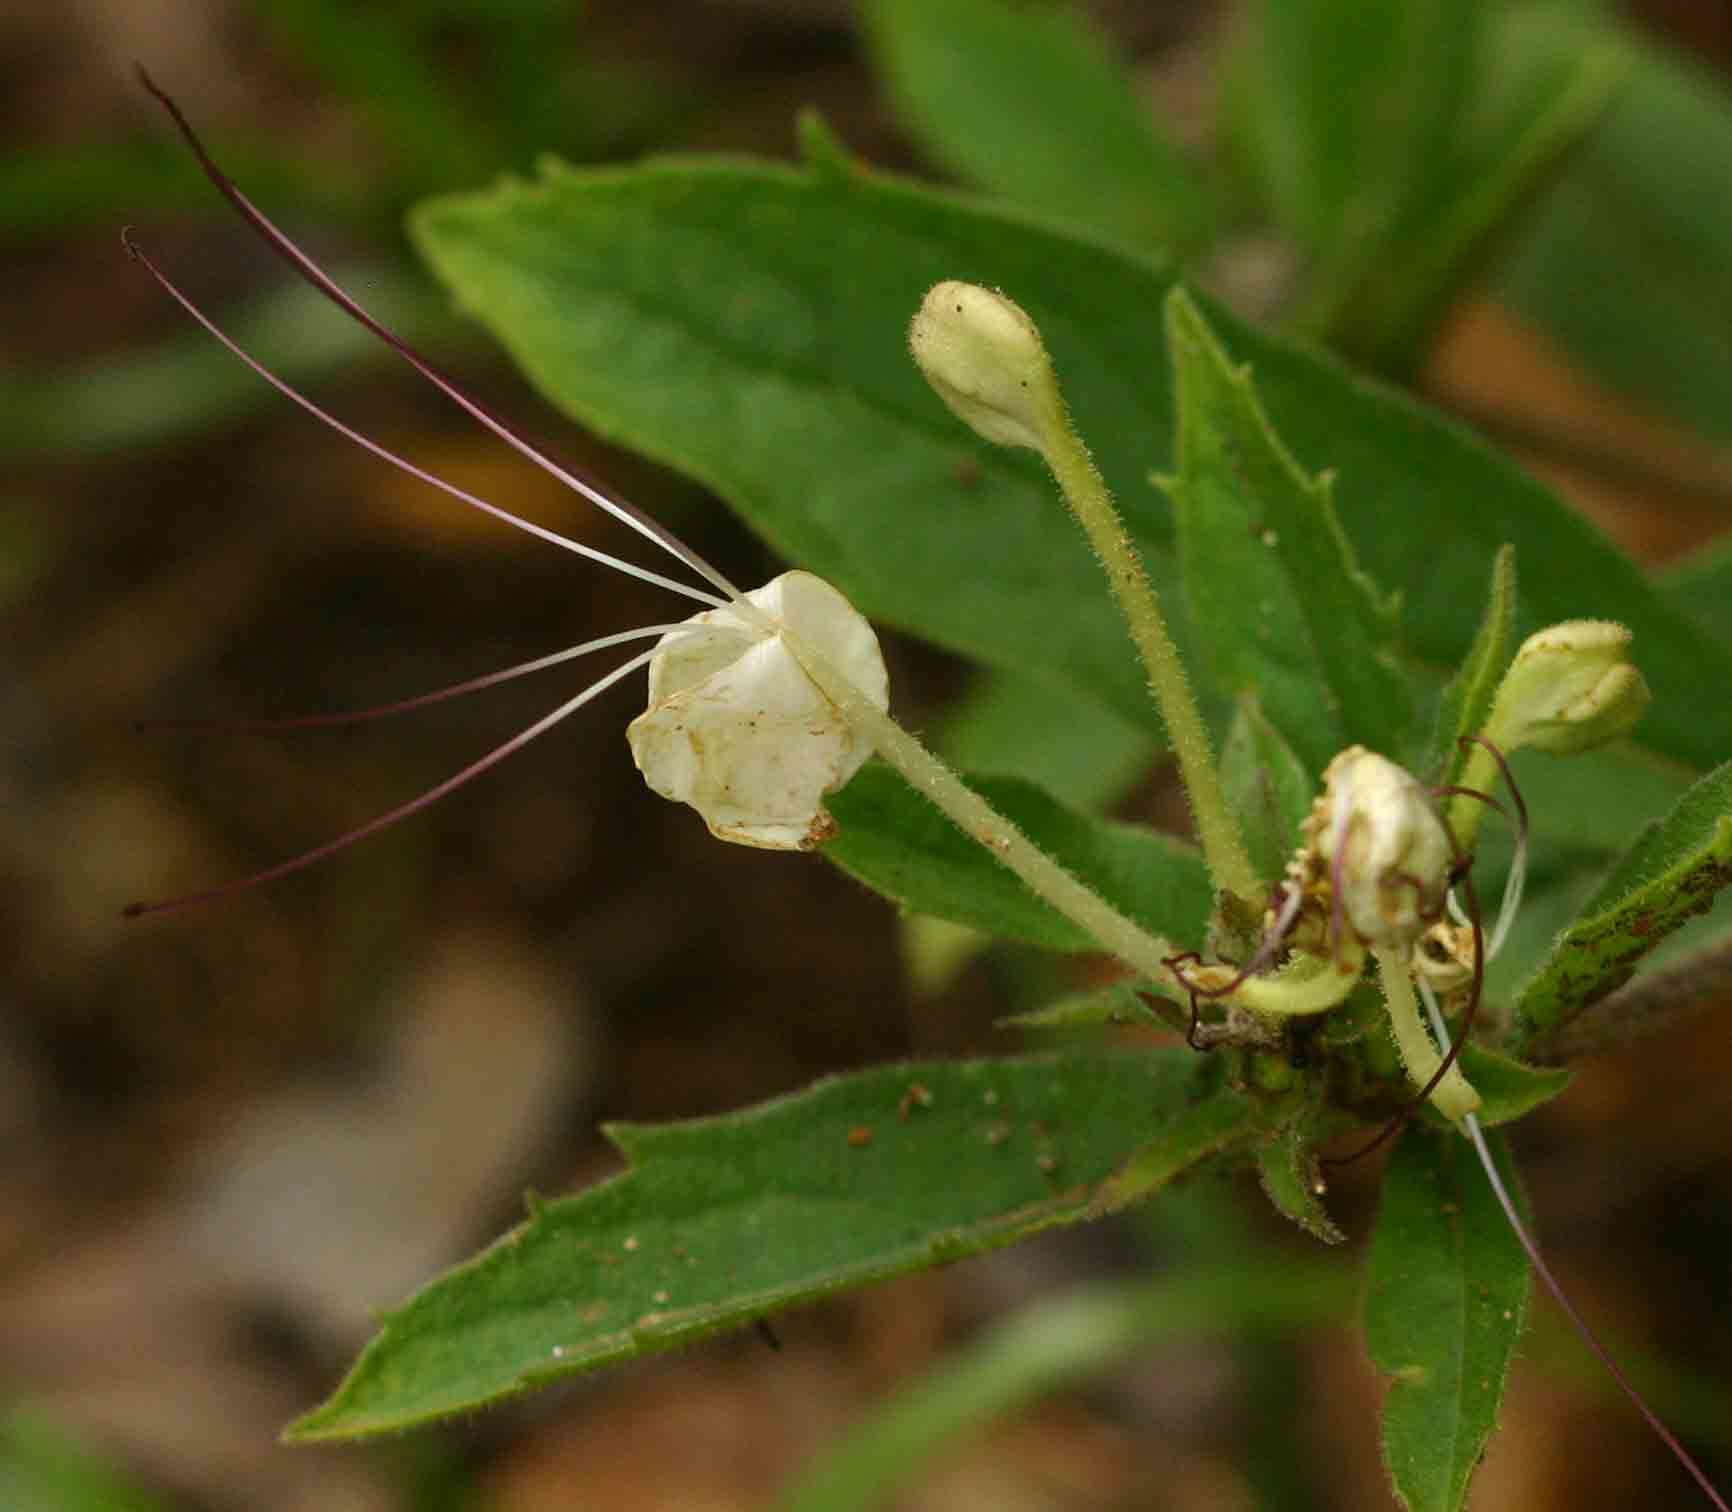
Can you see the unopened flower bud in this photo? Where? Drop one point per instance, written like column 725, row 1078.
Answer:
column 737, row 729
column 1571, row 687
column 984, row 357
column 1381, row 842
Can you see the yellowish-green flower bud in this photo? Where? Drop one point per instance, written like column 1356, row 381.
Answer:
column 984, row 357
column 737, row 729
column 1571, row 687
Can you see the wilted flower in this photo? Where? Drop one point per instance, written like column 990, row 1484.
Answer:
column 735, row 726
column 1378, row 838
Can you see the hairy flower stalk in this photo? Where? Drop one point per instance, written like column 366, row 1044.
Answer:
column 760, row 705
column 984, row 357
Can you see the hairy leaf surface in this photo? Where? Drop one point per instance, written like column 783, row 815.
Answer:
column 719, row 1221
column 1446, row 1298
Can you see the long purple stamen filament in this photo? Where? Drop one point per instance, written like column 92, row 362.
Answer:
column 402, row 810
column 283, row 387
column 1470, row 1122
column 421, row 700
column 286, row 248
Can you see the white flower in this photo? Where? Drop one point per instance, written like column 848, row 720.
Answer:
column 737, row 729
column 735, row 726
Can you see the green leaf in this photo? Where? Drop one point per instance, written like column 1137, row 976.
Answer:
column 1044, row 1349
column 1102, row 1008
column 896, row 842
column 1268, row 787
column 1508, row 1089
column 1077, row 749
column 1527, row 115
column 1032, row 102
column 1271, row 580
column 1587, row 806
column 1392, row 142
column 1667, row 877
column 1354, row 102
column 745, row 323
column 1466, row 701
column 721, row 1220
column 1701, row 587
column 1446, row 1297
column 1623, row 261
column 1292, row 1180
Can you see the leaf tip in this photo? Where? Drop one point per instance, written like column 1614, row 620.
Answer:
column 315, row 1427
column 1184, row 321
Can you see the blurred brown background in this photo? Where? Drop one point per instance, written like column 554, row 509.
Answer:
column 225, row 1136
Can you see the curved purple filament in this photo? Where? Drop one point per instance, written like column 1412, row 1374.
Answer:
column 285, row 247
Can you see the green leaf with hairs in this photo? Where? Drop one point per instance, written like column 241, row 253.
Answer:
column 721, row 1221
column 1466, row 701
column 1267, row 786
column 1446, row 1296
column 1292, row 1180
column 1509, row 1089
column 1274, row 587
column 1670, row 875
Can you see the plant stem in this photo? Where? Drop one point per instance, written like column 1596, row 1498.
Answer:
column 1091, row 501
column 1144, row 952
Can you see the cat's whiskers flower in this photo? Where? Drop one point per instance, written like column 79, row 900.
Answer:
column 745, row 722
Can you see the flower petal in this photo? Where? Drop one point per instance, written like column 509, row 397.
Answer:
column 736, row 728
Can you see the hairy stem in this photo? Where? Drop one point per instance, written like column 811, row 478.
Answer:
column 1091, row 501
column 1144, row 952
